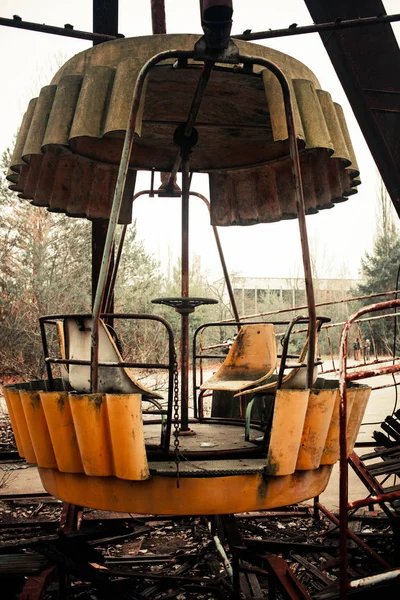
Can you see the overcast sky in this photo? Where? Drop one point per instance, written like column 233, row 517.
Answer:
column 338, row 237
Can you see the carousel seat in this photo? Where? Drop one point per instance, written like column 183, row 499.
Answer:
column 295, row 379
column 61, row 345
column 77, row 340
column 251, row 360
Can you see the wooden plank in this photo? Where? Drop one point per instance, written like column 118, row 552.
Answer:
column 21, row 564
column 312, row 569
column 381, row 451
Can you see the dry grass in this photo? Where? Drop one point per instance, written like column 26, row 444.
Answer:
column 6, row 477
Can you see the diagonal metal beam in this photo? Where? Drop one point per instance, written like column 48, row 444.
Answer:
column 367, row 62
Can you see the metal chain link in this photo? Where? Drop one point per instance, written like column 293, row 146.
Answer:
column 176, row 419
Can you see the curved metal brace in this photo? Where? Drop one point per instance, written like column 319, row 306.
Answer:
column 117, row 201
column 296, row 172
column 343, row 473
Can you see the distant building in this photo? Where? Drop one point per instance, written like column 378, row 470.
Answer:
column 251, row 292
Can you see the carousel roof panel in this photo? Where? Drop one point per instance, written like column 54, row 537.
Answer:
column 69, row 145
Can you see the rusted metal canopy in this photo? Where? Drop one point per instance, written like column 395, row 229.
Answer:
column 70, row 141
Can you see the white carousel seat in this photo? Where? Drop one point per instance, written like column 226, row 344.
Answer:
column 61, row 345
column 251, row 360
column 77, row 340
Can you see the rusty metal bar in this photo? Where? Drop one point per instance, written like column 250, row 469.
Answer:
column 383, row 387
column 345, row 24
column 158, row 20
column 194, row 109
column 66, row 31
column 217, row 241
column 117, row 201
column 354, row 537
column 296, row 174
column 374, row 500
column 108, row 305
column 185, row 294
column 377, row 318
column 318, row 305
column 69, row 31
column 222, row 260
column 355, row 376
column 370, row 483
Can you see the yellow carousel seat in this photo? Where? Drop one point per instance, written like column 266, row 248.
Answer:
column 85, row 434
column 251, row 360
column 295, row 379
column 77, row 340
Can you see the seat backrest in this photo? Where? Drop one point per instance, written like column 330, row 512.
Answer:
column 253, row 348
column 296, row 378
column 61, row 344
column 77, row 334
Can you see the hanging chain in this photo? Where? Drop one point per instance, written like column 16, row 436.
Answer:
column 176, row 419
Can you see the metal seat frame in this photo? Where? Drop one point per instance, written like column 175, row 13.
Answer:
column 165, row 414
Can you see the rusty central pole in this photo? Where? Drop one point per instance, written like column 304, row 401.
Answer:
column 185, row 294
column 158, row 16
column 105, row 20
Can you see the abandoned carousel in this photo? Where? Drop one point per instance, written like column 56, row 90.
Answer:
column 274, row 146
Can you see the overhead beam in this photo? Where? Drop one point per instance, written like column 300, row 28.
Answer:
column 367, row 62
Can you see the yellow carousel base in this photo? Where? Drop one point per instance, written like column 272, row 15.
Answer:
column 195, row 495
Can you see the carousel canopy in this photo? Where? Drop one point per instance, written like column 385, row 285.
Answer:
column 69, row 145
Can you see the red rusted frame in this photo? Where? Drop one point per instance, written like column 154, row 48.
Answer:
column 374, row 363
column 374, row 499
column 344, row 378
column 388, row 370
column 370, row 482
column 283, row 579
column 355, row 539
column 36, row 585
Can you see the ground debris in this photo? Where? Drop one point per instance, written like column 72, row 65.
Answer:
column 176, row 558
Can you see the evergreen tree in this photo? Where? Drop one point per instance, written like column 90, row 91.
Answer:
column 380, row 270
column 45, row 268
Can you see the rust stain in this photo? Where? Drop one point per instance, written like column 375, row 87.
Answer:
column 262, row 488
column 61, row 402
